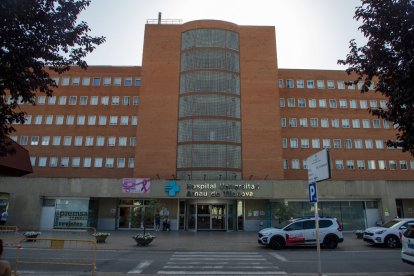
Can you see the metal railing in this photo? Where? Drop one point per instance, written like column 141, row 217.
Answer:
column 164, row 21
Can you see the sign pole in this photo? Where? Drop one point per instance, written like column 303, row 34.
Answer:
column 318, row 244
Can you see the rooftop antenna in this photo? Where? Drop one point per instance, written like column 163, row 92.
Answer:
column 159, row 17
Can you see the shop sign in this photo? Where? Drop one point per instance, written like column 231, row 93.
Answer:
column 221, row 190
column 136, row 185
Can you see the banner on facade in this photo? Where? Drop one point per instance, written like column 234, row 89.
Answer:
column 136, row 185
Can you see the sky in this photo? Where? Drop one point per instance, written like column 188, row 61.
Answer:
column 310, row 34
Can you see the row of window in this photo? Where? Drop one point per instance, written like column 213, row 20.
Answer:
column 352, row 165
column 320, row 84
column 335, row 123
column 85, row 162
column 85, row 100
column 333, row 103
column 88, row 141
column 81, row 120
column 315, row 143
column 97, row 81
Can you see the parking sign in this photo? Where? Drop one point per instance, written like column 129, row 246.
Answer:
column 313, row 193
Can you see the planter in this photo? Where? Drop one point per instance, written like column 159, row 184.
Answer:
column 144, row 241
column 31, row 238
column 101, row 239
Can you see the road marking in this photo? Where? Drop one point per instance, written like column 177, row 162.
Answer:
column 140, row 267
column 279, row 257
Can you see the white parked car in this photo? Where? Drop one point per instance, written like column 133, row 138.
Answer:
column 388, row 234
column 302, row 232
column 407, row 250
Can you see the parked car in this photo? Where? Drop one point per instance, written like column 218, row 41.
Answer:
column 302, row 231
column 407, row 241
column 389, row 234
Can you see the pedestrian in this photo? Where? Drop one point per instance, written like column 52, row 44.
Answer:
column 157, row 222
column 4, row 217
column 5, row 268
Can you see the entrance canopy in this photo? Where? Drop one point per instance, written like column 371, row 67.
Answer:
column 18, row 164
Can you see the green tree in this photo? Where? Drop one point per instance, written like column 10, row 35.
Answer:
column 387, row 58
column 37, row 36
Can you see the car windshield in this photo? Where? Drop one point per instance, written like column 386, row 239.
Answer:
column 283, row 224
column 390, row 224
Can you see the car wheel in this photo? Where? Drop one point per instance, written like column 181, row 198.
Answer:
column 277, row 243
column 392, row 241
column 330, row 242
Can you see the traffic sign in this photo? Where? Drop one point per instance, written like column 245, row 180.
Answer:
column 313, row 193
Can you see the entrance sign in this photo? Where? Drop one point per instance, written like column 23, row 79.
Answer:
column 136, row 185
column 319, row 166
column 313, row 193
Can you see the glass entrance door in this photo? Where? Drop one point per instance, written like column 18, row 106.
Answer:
column 218, row 217
column 130, row 217
column 207, row 217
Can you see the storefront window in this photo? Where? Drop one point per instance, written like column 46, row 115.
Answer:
column 71, row 213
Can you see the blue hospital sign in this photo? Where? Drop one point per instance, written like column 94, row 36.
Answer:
column 313, row 193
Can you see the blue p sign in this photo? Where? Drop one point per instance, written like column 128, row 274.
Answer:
column 313, row 193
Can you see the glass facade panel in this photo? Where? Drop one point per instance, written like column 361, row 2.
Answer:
column 210, row 144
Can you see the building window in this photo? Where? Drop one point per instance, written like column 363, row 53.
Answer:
column 365, row 123
column 281, row 83
column 368, row 144
column 301, row 102
column 49, row 120
column 94, row 100
column 314, row 122
column 332, row 103
column 87, row 161
column 107, row 81
column 51, row 100
column 34, row 141
column 65, row 81
column 41, row 100
column 45, row 140
column 122, row 141
column 358, row 143
column 64, row 162
column 350, row 164
column 86, row 81
column 290, row 84
column 376, row 123
column 295, row 164
column 339, row 164
column 98, row 162
column 356, row 123
column 341, row 84
column 304, row 143
column 305, row 164
column 135, row 100
column 62, row 100
column 285, row 164
column 100, row 141
column 373, row 103
column 342, row 103
column 363, row 104
column 125, row 100
column 132, row 141
column 121, row 162
column 109, row 162
column 80, row 120
column 324, row 122
column 56, row 140
column 134, row 120
column 117, row 81
column 337, row 143
column 379, row 144
column 111, row 141
column 96, row 81
column 361, row 164
column 38, row 119
column 75, row 81
column 322, row 103
column 284, row 143
column 312, row 103
column 383, row 104
column 115, row 100
column 330, row 84
column 382, row 165
column 137, row 82
column 293, row 143
column 291, row 102
column 300, row 84
column 92, row 120
column 386, row 124
column 392, row 164
column 89, row 141
column 105, row 100
column 282, row 102
column 67, row 140
column 320, row 84
column 42, row 161
column 33, row 160
column 303, row 122
column 293, row 122
column 371, row 165
column 310, row 84
column 83, row 100
column 70, row 119
column 72, row 100
column 345, row 123
column 352, row 104
column 113, row 120
column 326, row 143
column 412, row 164
column 316, row 143
column 403, row 165
column 124, row 120
column 131, row 163
column 102, row 120
column 128, row 82
column 53, row 161
column 348, row 143
column 335, row 123
column 283, row 122
column 28, row 119
column 78, row 141
column 351, row 85
column 60, row 119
